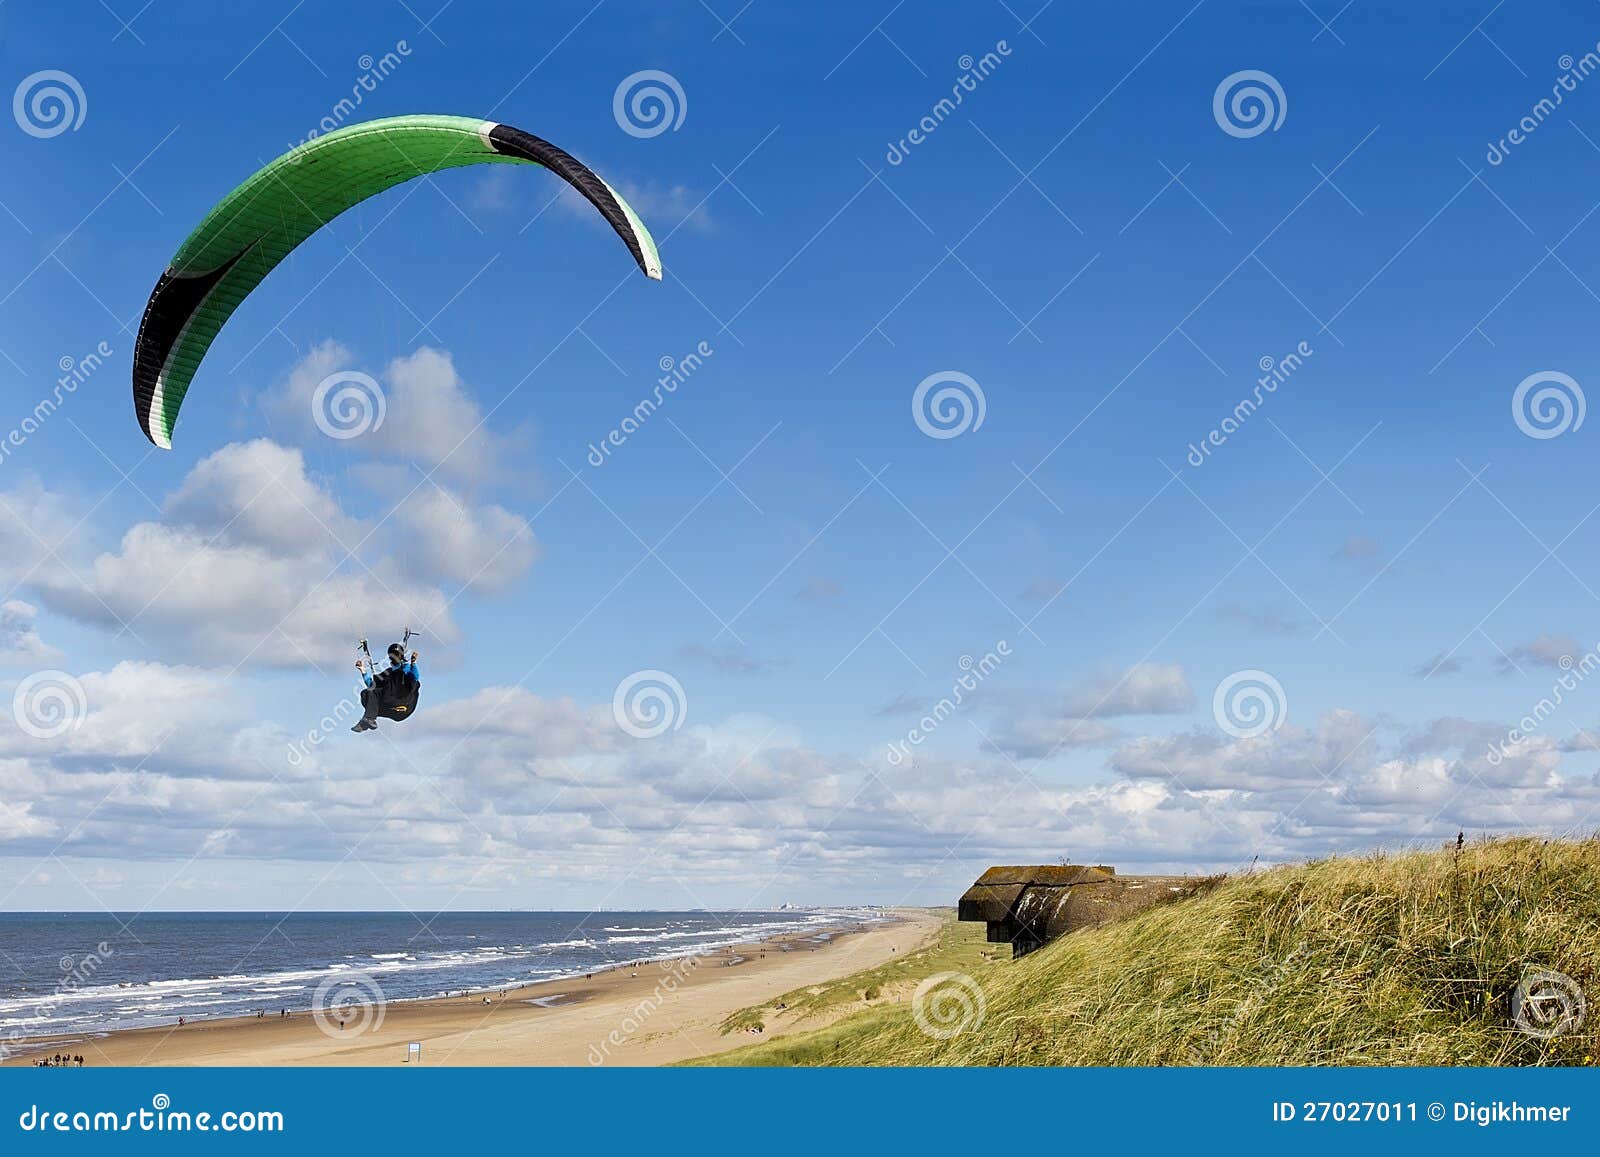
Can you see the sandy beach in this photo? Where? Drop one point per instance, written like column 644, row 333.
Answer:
column 648, row 1014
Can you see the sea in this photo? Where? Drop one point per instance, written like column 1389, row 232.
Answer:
column 81, row 972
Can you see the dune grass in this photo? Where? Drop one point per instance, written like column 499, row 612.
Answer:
column 957, row 946
column 1409, row 959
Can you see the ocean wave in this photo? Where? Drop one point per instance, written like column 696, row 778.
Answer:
column 661, row 936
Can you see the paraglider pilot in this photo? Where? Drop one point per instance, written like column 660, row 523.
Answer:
column 392, row 692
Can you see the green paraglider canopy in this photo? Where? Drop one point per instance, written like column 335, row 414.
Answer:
column 258, row 224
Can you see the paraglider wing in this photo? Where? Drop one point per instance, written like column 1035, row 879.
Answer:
column 258, row 224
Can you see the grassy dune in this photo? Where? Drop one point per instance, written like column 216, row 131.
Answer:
column 1407, row 959
column 959, row 947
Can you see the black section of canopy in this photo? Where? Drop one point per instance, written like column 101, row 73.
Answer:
column 516, row 143
column 173, row 302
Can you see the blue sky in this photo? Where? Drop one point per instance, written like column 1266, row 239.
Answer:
column 1081, row 237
